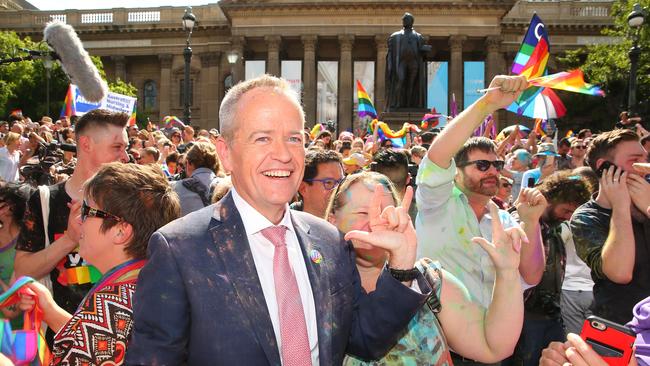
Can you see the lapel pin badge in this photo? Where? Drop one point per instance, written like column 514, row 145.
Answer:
column 315, row 256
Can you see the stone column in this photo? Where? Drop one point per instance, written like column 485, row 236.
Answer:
column 494, row 58
column 345, row 83
column 238, row 45
column 494, row 67
column 381, row 42
column 456, row 69
column 120, row 67
column 210, row 89
column 273, row 55
column 165, row 90
column 309, row 78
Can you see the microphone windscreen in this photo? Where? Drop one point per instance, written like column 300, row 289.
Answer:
column 75, row 60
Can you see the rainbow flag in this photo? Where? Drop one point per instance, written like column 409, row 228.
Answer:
column 534, row 51
column 17, row 113
column 397, row 137
column 366, row 108
column 23, row 348
column 68, row 109
column 531, row 61
column 540, row 127
column 173, row 121
column 571, row 81
column 132, row 119
column 569, row 134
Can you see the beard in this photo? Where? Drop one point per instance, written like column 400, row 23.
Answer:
column 487, row 186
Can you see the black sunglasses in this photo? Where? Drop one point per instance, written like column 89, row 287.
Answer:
column 484, row 165
column 87, row 211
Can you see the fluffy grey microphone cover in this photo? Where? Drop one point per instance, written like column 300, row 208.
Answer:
column 75, row 60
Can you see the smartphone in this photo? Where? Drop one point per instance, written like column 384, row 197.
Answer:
column 604, row 167
column 531, row 182
column 613, row 342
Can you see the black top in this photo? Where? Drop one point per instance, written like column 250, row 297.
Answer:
column 612, row 301
column 71, row 276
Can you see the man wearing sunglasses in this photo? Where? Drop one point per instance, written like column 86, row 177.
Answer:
column 578, row 153
column 323, row 173
column 456, row 181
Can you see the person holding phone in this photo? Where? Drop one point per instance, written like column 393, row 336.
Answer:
column 612, row 231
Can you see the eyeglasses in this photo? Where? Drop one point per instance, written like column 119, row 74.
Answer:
column 87, row 211
column 484, row 165
column 328, row 183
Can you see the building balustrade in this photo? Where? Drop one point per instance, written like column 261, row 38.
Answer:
column 141, row 17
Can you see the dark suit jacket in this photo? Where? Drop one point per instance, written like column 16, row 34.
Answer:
column 199, row 299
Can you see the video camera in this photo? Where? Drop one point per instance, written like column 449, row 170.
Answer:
column 49, row 155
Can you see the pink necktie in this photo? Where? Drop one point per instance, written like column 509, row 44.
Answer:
column 293, row 330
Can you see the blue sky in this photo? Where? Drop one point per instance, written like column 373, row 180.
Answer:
column 103, row 4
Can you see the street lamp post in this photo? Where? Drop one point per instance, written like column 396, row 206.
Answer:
column 232, row 59
column 635, row 21
column 47, row 63
column 188, row 25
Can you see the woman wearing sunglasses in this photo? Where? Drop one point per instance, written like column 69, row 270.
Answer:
column 473, row 332
column 123, row 205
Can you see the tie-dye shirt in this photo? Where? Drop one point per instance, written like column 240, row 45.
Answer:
column 446, row 225
column 423, row 342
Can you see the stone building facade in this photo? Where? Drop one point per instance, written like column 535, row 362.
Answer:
column 144, row 46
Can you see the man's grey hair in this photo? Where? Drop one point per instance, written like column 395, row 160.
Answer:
column 228, row 109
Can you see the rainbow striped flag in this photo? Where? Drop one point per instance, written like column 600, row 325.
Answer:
column 534, row 51
column 571, row 81
column 132, row 119
column 28, row 346
column 366, row 108
column 68, row 104
column 531, row 61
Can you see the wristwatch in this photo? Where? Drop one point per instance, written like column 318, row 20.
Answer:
column 404, row 275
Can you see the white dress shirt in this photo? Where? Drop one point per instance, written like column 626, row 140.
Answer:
column 263, row 250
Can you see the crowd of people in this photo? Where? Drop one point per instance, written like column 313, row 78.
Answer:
column 261, row 244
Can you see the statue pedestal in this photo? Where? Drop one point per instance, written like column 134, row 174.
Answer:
column 395, row 119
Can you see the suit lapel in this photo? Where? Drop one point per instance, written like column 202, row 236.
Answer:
column 229, row 236
column 319, row 287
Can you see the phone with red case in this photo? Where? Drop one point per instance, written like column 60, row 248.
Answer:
column 613, row 342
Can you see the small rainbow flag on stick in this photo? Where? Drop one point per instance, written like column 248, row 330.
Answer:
column 366, row 108
column 571, row 81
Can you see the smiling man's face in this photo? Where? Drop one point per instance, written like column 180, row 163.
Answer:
column 266, row 157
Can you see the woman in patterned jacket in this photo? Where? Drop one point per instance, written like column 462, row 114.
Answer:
column 123, row 205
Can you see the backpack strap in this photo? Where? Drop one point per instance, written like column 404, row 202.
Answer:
column 44, row 193
column 194, row 185
column 432, row 273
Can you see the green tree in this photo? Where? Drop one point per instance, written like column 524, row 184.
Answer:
column 23, row 84
column 608, row 65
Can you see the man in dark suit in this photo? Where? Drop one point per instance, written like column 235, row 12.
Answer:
column 248, row 281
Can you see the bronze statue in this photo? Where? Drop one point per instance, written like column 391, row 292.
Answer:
column 406, row 76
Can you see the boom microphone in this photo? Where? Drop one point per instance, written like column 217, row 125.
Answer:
column 75, row 60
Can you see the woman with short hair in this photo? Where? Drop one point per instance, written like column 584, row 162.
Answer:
column 124, row 204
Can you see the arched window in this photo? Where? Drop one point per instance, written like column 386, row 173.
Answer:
column 150, row 93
